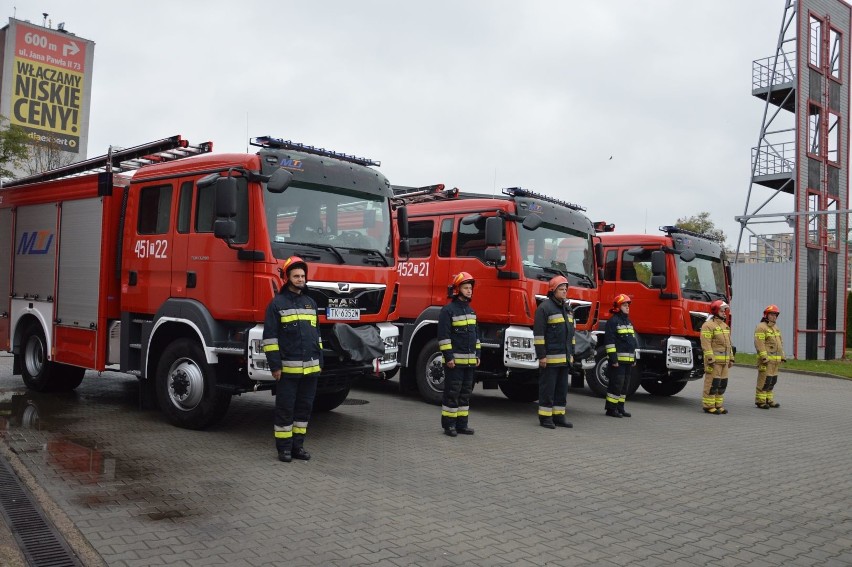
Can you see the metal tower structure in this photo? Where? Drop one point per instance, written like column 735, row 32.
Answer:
column 802, row 156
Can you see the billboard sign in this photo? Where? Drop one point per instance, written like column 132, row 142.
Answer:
column 48, row 85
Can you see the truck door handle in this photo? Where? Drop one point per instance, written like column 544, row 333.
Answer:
column 131, row 280
column 191, row 280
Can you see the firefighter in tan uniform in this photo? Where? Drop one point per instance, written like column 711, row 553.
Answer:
column 770, row 353
column 718, row 357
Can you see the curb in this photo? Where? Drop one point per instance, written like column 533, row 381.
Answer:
column 805, row 372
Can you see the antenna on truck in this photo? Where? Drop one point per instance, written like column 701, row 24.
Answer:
column 117, row 161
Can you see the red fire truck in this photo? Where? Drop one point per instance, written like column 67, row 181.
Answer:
column 513, row 245
column 672, row 278
column 162, row 262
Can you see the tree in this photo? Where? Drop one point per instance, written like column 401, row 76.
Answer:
column 44, row 156
column 701, row 223
column 14, row 147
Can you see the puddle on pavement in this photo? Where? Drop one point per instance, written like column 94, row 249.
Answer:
column 46, row 427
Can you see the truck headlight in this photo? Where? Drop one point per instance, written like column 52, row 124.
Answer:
column 520, row 342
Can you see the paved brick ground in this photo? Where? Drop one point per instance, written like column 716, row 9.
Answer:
column 669, row 486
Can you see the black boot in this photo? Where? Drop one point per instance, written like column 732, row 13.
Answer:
column 298, row 448
column 450, row 431
column 464, row 430
column 284, row 447
column 546, row 421
column 621, row 410
column 611, row 409
column 559, row 421
column 301, row 454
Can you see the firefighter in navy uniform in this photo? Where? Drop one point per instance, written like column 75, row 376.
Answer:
column 620, row 343
column 293, row 348
column 770, row 352
column 553, row 336
column 718, row 357
column 458, row 341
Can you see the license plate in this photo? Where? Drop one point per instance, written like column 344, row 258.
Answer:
column 343, row 314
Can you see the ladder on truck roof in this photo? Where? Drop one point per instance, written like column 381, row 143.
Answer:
column 407, row 195
column 118, row 161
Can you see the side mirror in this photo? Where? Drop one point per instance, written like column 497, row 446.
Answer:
column 404, row 249
column 226, row 197
column 687, row 255
column 493, row 231
column 658, row 282
column 658, row 263
column 279, row 181
column 402, row 222
column 493, row 255
column 225, row 229
column 532, row 222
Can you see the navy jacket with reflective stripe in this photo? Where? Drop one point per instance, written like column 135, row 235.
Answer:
column 298, row 339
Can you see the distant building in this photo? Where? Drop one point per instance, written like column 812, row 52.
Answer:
column 46, row 84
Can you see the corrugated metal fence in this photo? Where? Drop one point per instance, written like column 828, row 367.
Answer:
column 756, row 286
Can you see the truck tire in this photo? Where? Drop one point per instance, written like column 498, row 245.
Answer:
column 66, row 377
column 330, row 400
column 596, row 377
column 657, row 388
column 186, row 387
column 599, row 382
column 519, row 392
column 429, row 373
column 39, row 374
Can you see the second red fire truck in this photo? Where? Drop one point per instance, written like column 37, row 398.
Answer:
column 512, row 245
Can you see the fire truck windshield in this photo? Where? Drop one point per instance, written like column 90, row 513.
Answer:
column 339, row 225
column 550, row 250
column 703, row 278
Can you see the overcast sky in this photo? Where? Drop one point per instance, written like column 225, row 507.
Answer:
column 475, row 94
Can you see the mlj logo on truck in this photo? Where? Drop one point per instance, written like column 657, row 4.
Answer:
column 37, row 242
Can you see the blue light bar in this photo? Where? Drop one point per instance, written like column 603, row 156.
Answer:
column 521, row 192
column 281, row 144
column 678, row 230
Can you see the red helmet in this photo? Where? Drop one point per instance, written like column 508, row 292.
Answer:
column 620, row 300
column 292, row 263
column 459, row 279
column 556, row 281
column 717, row 306
column 771, row 309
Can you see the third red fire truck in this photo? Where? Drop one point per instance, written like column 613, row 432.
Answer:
column 161, row 263
column 671, row 278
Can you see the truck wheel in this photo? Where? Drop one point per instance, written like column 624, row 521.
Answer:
column 657, row 388
column 407, row 380
column 519, row 392
column 329, row 401
column 186, row 387
column 430, row 373
column 67, row 377
column 596, row 377
column 38, row 372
